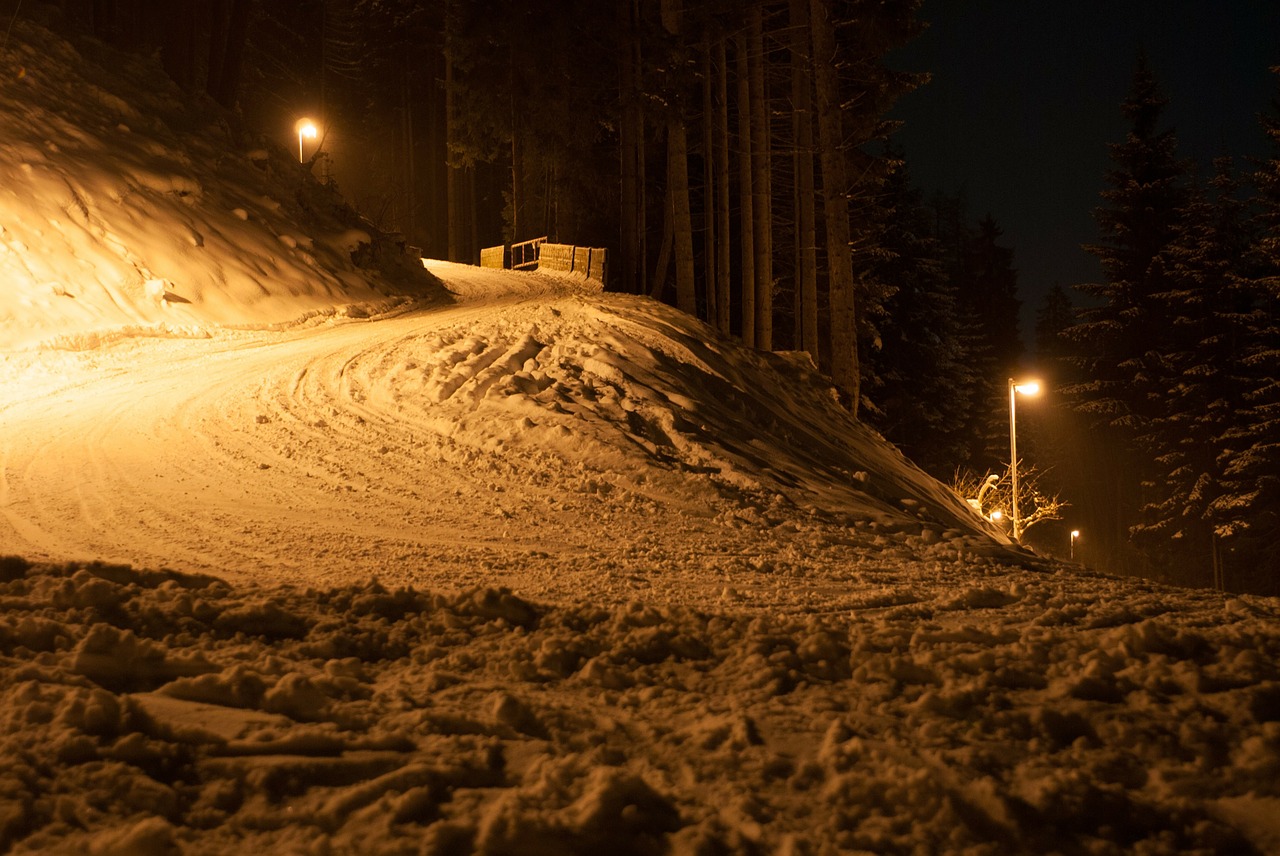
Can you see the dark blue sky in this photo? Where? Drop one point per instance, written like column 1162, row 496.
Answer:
column 1026, row 95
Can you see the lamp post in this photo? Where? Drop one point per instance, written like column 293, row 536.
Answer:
column 1075, row 533
column 1029, row 387
column 306, row 128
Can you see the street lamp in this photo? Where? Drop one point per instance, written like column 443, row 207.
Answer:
column 1028, row 387
column 306, row 128
column 1075, row 533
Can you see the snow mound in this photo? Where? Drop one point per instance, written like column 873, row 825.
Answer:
column 123, row 209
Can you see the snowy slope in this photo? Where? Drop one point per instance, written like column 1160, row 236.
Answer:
column 524, row 568
column 123, row 207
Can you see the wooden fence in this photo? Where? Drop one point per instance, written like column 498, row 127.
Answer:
column 591, row 262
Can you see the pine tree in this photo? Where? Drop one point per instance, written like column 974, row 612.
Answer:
column 1124, row 326
column 1199, row 382
column 1246, row 513
column 918, row 371
column 993, row 292
column 1122, row 331
column 988, row 290
column 1055, row 314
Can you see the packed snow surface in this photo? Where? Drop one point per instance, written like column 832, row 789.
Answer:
column 315, row 561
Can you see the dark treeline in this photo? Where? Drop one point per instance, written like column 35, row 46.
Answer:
column 1169, row 443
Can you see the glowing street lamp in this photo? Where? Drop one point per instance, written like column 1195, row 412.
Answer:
column 306, row 128
column 1075, row 533
column 1028, row 387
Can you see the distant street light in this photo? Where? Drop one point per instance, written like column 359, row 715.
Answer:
column 1029, row 387
column 1075, row 533
column 306, row 128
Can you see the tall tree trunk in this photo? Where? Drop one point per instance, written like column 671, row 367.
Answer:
column 806, row 311
column 517, row 168
column 746, row 218
column 678, row 181
column 437, row 212
column 682, row 220
column 219, row 16
column 226, row 49
column 658, row 284
column 630, row 145
column 452, row 190
column 845, row 371
column 473, row 221
column 710, row 179
column 517, row 180
column 409, row 227
column 178, row 52
column 761, row 183
column 723, row 225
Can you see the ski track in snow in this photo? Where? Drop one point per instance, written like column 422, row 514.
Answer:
column 420, row 448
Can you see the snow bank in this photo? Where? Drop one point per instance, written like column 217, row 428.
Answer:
column 124, row 208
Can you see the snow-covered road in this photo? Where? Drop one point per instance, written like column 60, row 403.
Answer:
column 252, row 451
column 440, row 447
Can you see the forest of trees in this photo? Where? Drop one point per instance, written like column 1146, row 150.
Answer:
column 1170, row 366
column 735, row 157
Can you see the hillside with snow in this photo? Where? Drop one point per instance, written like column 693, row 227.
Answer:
column 124, row 207
column 306, row 547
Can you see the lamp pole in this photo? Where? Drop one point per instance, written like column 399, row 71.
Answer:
column 306, row 128
column 1075, row 533
column 1030, row 387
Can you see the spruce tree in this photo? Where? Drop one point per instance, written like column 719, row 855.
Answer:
column 1124, row 326
column 918, row 371
column 1246, row 513
column 1121, row 333
column 1055, row 314
column 1200, row 384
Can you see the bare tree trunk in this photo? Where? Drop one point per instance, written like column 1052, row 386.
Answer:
column 682, row 220
column 473, row 222
column 631, row 151
column 226, row 50
column 658, row 284
column 761, row 184
column 678, row 181
column 452, row 204
column 845, row 371
column 746, row 218
column 437, row 214
column 517, row 178
column 806, row 332
column 711, row 181
column 723, row 225
column 409, row 227
column 178, row 53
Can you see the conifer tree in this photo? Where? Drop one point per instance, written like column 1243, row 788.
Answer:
column 1055, row 314
column 1121, row 332
column 1246, row 514
column 1196, row 377
column 918, row 371
column 1124, row 325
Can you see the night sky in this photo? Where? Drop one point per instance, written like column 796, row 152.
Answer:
column 1026, row 96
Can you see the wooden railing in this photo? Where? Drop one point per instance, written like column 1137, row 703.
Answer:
column 525, row 255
